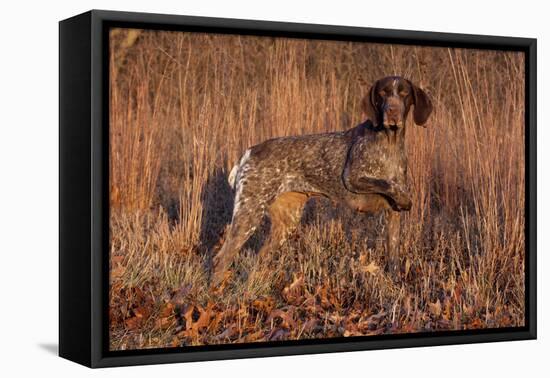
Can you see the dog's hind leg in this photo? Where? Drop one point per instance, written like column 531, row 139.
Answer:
column 245, row 221
column 285, row 214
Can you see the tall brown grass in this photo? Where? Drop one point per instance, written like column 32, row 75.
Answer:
column 184, row 107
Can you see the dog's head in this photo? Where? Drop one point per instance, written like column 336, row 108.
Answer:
column 389, row 100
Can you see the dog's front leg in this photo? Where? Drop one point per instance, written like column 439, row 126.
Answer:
column 393, row 238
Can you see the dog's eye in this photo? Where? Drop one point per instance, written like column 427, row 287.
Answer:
column 382, row 93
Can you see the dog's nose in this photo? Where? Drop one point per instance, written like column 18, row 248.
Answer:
column 392, row 116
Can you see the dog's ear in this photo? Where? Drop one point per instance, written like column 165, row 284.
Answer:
column 422, row 105
column 369, row 108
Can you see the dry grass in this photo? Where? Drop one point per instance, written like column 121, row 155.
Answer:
column 183, row 109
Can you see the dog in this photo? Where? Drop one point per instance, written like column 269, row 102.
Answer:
column 364, row 168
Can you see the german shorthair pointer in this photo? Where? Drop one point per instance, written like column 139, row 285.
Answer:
column 364, row 168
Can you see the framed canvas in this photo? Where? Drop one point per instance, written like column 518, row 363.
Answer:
column 234, row 188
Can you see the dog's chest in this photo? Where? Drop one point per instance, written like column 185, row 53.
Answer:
column 380, row 157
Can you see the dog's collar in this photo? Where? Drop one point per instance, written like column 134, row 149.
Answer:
column 368, row 125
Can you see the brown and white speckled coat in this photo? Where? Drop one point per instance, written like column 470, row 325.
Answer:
column 364, row 168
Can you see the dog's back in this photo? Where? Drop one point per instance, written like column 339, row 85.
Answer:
column 310, row 164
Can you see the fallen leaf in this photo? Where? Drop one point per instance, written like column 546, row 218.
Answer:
column 132, row 323
column 286, row 316
column 117, row 259
column 323, row 296
column 309, row 325
column 476, row 323
column 142, row 312
column 164, row 323
column 250, row 337
column 204, row 319
column 228, row 333
column 277, row 334
column 264, row 304
column 167, row 310
column 118, row 272
column 175, row 342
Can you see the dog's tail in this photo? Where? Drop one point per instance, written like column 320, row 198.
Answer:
column 234, row 174
column 232, row 179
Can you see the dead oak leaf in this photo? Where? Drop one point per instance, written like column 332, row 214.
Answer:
column 278, row 334
column 228, row 333
column 250, row 337
column 117, row 259
column 309, row 325
column 164, row 323
column 264, row 304
column 117, row 272
column 132, row 323
column 167, row 310
column 286, row 317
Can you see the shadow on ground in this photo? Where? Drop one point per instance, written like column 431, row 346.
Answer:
column 51, row 348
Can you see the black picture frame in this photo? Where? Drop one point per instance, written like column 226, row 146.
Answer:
column 83, row 181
